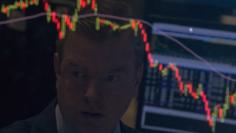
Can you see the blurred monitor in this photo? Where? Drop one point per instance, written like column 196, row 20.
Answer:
column 207, row 28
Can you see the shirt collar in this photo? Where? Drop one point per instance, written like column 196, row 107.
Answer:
column 61, row 126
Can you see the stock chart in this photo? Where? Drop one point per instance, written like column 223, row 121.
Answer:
column 180, row 95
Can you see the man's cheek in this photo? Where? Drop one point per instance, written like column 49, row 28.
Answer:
column 72, row 87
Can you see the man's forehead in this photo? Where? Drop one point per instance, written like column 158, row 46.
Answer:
column 78, row 40
column 83, row 49
column 113, row 68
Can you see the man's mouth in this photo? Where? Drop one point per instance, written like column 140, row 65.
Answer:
column 91, row 114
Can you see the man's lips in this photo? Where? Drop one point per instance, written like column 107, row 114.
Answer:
column 91, row 114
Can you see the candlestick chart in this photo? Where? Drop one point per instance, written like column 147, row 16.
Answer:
column 65, row 22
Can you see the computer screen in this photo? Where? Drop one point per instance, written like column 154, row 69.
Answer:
column 192, row 88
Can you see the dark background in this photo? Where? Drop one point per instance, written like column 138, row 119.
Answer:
column 27, row 81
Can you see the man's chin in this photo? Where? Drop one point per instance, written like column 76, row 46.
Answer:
column 92, row 130
column 89, row 124
column 89, row 127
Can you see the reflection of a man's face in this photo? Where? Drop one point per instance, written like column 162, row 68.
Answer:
column 96, row 81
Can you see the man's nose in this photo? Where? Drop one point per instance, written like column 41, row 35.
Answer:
column 91, row 91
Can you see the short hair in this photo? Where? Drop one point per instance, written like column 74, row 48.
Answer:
column 121, row 8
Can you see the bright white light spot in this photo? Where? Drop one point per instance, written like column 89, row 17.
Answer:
column 190, row 29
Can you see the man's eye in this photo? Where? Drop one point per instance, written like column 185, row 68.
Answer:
column 80, row 75
column 111, row 77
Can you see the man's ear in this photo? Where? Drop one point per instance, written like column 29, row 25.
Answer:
column 139, row 77
column 57, row 65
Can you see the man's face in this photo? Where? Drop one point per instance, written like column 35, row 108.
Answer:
column 96, row 81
